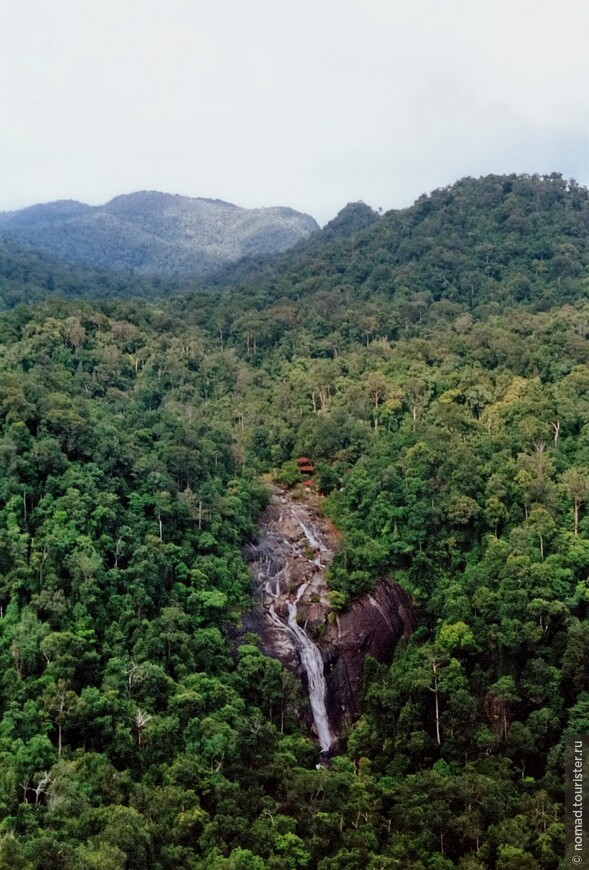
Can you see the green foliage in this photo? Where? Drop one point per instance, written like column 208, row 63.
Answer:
column 433, row 365
column 288, row 474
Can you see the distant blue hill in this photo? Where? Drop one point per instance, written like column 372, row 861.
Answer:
column 150, row 232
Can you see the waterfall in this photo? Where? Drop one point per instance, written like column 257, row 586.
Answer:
column 288, row 577
column 313, row 664
column 313, row 539
column 301, row 591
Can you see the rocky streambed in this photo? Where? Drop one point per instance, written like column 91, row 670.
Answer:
column 293, row 618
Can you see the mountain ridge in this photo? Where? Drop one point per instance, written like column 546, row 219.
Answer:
column 150, row 232
column 489, row 241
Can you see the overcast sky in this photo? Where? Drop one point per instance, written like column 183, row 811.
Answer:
column 310, row 104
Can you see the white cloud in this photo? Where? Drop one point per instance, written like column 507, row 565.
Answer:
column 310, row 105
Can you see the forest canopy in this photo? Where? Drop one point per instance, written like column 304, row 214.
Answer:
column 434, row 364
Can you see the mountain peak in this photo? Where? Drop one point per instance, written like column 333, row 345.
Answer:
column 149, row 231
column 355, row 216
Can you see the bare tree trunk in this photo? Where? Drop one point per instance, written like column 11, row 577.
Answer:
column 556, row 428
column 437, row 703
column 438, row 738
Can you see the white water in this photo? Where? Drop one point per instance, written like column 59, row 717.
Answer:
column 276, row 619
column 301, row 591
column 312, row 538
column 283, row 581
column 313, row 664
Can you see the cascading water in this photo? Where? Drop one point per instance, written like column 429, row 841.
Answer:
column 313, row 538
column 288, row 562
column 313, row 664
column 289, row 580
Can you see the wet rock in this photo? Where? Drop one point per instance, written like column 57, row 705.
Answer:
column 288, row 563
column 274, row 641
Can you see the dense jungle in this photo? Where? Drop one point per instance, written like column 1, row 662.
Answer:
column 433, row 364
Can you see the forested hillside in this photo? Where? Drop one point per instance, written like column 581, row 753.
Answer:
column 434, row 364
column 28, row 277
column 487, row 243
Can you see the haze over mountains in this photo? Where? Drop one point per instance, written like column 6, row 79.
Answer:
column 491, row 241
column 150, row 232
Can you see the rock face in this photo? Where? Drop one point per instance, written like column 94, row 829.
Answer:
column 288, row 563
column 372, row 626
column 151, row 232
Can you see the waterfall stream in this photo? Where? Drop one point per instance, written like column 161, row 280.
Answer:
column 313, row 664
column 290, row 579
column 292, row 613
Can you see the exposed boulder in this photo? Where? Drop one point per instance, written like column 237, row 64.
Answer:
column 275, row 641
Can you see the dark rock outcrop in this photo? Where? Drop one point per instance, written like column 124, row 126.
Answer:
column 373, row 626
